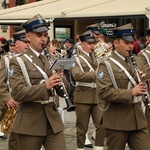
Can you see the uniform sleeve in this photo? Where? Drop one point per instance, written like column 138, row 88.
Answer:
column 105, row 88
column 144, row 61
column 4, row 92
column 20, row 90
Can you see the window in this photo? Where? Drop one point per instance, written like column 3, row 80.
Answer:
column 21, row 2
column 61, row 33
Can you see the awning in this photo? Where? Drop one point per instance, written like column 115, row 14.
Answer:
column 75, row 9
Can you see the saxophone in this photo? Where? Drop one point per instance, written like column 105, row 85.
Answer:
column 102, row 50
column 7, row 121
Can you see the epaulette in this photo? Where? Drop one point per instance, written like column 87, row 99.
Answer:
column 18, row 55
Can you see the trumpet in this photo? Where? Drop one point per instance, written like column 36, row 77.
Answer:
column 140, row 79
column 61, row 87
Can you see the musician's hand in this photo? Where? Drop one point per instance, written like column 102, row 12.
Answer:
column 54, row 80
column 141, row 88
column 60, row 72
column 11, row 103
column 143, row 75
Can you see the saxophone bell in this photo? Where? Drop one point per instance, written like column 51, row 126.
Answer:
column 7, row 121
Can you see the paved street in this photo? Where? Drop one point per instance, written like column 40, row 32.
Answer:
column 70, row 131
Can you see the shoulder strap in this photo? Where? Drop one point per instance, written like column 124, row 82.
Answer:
column 78, row 62
column 147, row 59
column 91, row 69
column 40, row 70
column 24, row 70
column 111, row 74
column 125, row 71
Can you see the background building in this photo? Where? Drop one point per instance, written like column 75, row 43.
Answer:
column 6, row 30
column 70, row 17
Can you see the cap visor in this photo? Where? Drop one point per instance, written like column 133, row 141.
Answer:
column 128, row 38
column 96, row 32
column 24, row 39
column 40, row 29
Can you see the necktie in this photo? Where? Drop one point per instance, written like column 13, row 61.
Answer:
column 91, row 56
column 127, row 61
column 41, row 58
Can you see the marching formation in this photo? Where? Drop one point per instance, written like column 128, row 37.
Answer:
column 103, row 80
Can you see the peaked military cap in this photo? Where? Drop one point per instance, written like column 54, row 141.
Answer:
column 95, row 28
column 35, row 24
column 125, row 32
column 11, row 42
column 20, row 35
column 68, row 40
column 87, row 36
column 17, row 28
column 148, row 31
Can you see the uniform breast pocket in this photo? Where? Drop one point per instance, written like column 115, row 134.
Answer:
column 35, row 76
column 121, row 78
column 85, row 67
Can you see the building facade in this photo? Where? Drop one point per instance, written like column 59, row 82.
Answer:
column 6, row 30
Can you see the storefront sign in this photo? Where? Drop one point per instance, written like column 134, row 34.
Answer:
column 4, row 27
column 108, row 27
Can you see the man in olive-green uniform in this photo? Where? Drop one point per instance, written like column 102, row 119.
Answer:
column 124, row 118
column 84, row 73
column 37, row 119
column 144, row 54
column 3, row 107
column 21, row 44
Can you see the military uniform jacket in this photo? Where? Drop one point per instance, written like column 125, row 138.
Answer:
column 84, row 94
column 143, row 58
column 4, row 93
column 121, row 114
column 32, row 117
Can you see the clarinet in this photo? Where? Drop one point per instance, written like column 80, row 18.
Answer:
column 63, row 93
column 140, row 79
column 50, row 61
